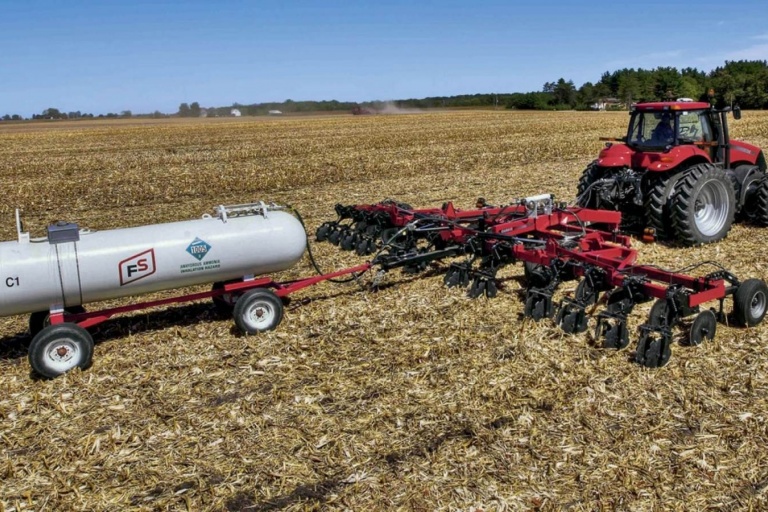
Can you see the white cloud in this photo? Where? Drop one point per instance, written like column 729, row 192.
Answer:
column 761, row 37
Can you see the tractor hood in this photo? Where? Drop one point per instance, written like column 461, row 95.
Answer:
column 621, row 155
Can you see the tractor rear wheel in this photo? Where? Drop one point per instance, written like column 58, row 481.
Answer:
column 586, row 197
column 659, row 189
column 756, row 205
column 703, row 205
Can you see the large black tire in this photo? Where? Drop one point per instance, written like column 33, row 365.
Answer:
column 750, row 302
column 745, row 180
column 42, row 319
column 56, row 349
column 703, row 205
column 656, row 202
column 258, row 311
column 756, row 205
column 585, row 197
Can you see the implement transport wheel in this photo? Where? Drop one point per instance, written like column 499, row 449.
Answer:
column 586, row 197
column 704, row 327
column 703, row 206
column 42, row 319
column 749, row 302
column 258, row 311
column 56, row 349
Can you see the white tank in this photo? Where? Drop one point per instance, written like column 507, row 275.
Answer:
column 72, row 267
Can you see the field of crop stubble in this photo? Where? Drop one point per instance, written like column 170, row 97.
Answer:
column 414, row 397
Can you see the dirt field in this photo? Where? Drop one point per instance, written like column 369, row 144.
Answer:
column 411, row 398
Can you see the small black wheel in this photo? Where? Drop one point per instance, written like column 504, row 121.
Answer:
column 257, row 311
column 703, row 327
column 659, row 315
column 56, row 349
column 321, row 235
column 749, row 302
column 42, row 319
column 585, row 293
column 224, row 303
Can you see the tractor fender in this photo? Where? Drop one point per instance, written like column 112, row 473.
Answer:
column 615, row 155
column 678, row 156
column 747, row 153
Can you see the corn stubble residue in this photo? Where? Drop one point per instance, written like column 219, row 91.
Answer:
column 414, row 397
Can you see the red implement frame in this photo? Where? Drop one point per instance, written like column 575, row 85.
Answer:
column 282, row 289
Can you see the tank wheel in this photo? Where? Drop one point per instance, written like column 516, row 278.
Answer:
column 586, row 197
column 756, row 203
column 257, row 311
column 750, row 302
column 703, row 205
column 56, row 349
column 659, row 190
column 704, row 327
column 41, row 319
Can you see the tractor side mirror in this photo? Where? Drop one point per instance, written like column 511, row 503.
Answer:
column 736, row 112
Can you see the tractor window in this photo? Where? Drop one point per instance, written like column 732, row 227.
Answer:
column 706, row 127
column 691, row 129
column 652, row 129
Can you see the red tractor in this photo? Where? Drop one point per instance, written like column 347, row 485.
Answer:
column 677, row 175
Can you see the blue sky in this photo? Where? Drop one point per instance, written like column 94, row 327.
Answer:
column 141, row 55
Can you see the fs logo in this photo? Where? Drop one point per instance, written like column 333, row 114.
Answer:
column 198, row 249
column 137, row 267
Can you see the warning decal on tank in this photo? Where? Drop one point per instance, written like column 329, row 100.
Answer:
column 198, row 249
column 137, row 267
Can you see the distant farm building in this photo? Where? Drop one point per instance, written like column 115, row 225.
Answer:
column 275, row 113
column 606, row 104
column 235, row 112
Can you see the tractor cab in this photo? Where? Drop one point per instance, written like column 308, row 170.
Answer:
column 652, row 129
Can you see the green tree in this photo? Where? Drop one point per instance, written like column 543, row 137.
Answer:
column 184, row 110
column 564, row 93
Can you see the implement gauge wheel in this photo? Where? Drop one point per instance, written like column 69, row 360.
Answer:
column 258, row 311
column 750, row 302
column 56, row 349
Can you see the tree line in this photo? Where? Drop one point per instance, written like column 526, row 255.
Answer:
column 743, row 82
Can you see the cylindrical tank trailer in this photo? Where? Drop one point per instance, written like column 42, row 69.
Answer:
column 70, row 267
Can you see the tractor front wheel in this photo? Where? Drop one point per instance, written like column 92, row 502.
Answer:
column 703, row 205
